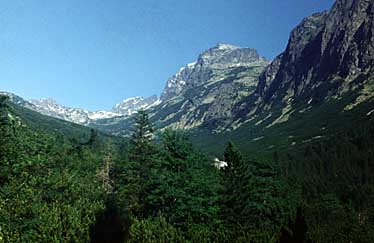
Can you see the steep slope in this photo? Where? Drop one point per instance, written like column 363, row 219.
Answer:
column 210, row 65
column 37, row 121
column 48, row 170
column 204, row 93
column 328, row 55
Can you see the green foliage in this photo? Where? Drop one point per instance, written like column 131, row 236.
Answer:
column 179, row 184
column 132, row 176
column 256, row 198
column 232, row 184
column 331, row 221
column 156, row 230
column 336, row 180
column 140, row 141
column 183, row 185
column 49, row 191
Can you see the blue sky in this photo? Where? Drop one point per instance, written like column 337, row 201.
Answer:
column 93, row 54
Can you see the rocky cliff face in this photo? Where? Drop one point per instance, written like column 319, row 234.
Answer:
column 328, row 54
column 329, row 57
column 211, row 63
column 204, row 93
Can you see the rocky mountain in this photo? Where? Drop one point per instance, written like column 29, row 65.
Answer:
column 322, row 83
column 50, row 107
column 210, row 64
column 203, row 93
column 329, row 54
column 131, row 105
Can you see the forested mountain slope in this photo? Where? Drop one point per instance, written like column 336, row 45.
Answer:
column 49, row 188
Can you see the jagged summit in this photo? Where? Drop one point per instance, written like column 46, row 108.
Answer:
column 46, row 102
column 219, row 57
column 226, row 55
column 225, row 46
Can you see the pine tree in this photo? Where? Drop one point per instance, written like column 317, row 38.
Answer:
column 233, row 158
column 231, row 183
column 255, row 197
column 141, row 138
column 134, row 178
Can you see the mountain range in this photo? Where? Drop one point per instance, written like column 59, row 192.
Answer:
column 51, row 107
column 211, row 75
column 230, row 92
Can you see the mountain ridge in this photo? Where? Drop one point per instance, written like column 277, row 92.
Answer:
column 51, row 107
column 229, row 86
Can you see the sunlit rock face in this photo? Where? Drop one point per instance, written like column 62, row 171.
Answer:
column 203, row 93
column 328, row 54
column 210, row 63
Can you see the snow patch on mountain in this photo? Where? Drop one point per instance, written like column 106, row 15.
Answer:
column 132, row 105
column 51, row 107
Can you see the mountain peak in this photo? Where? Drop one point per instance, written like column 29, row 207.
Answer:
column 225, row 46
column 218, row 58
column 46, row 102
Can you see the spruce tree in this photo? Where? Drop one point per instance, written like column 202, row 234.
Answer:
column 134, row 178
column 233, row 158
column 231, row 183
column 141, row 138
